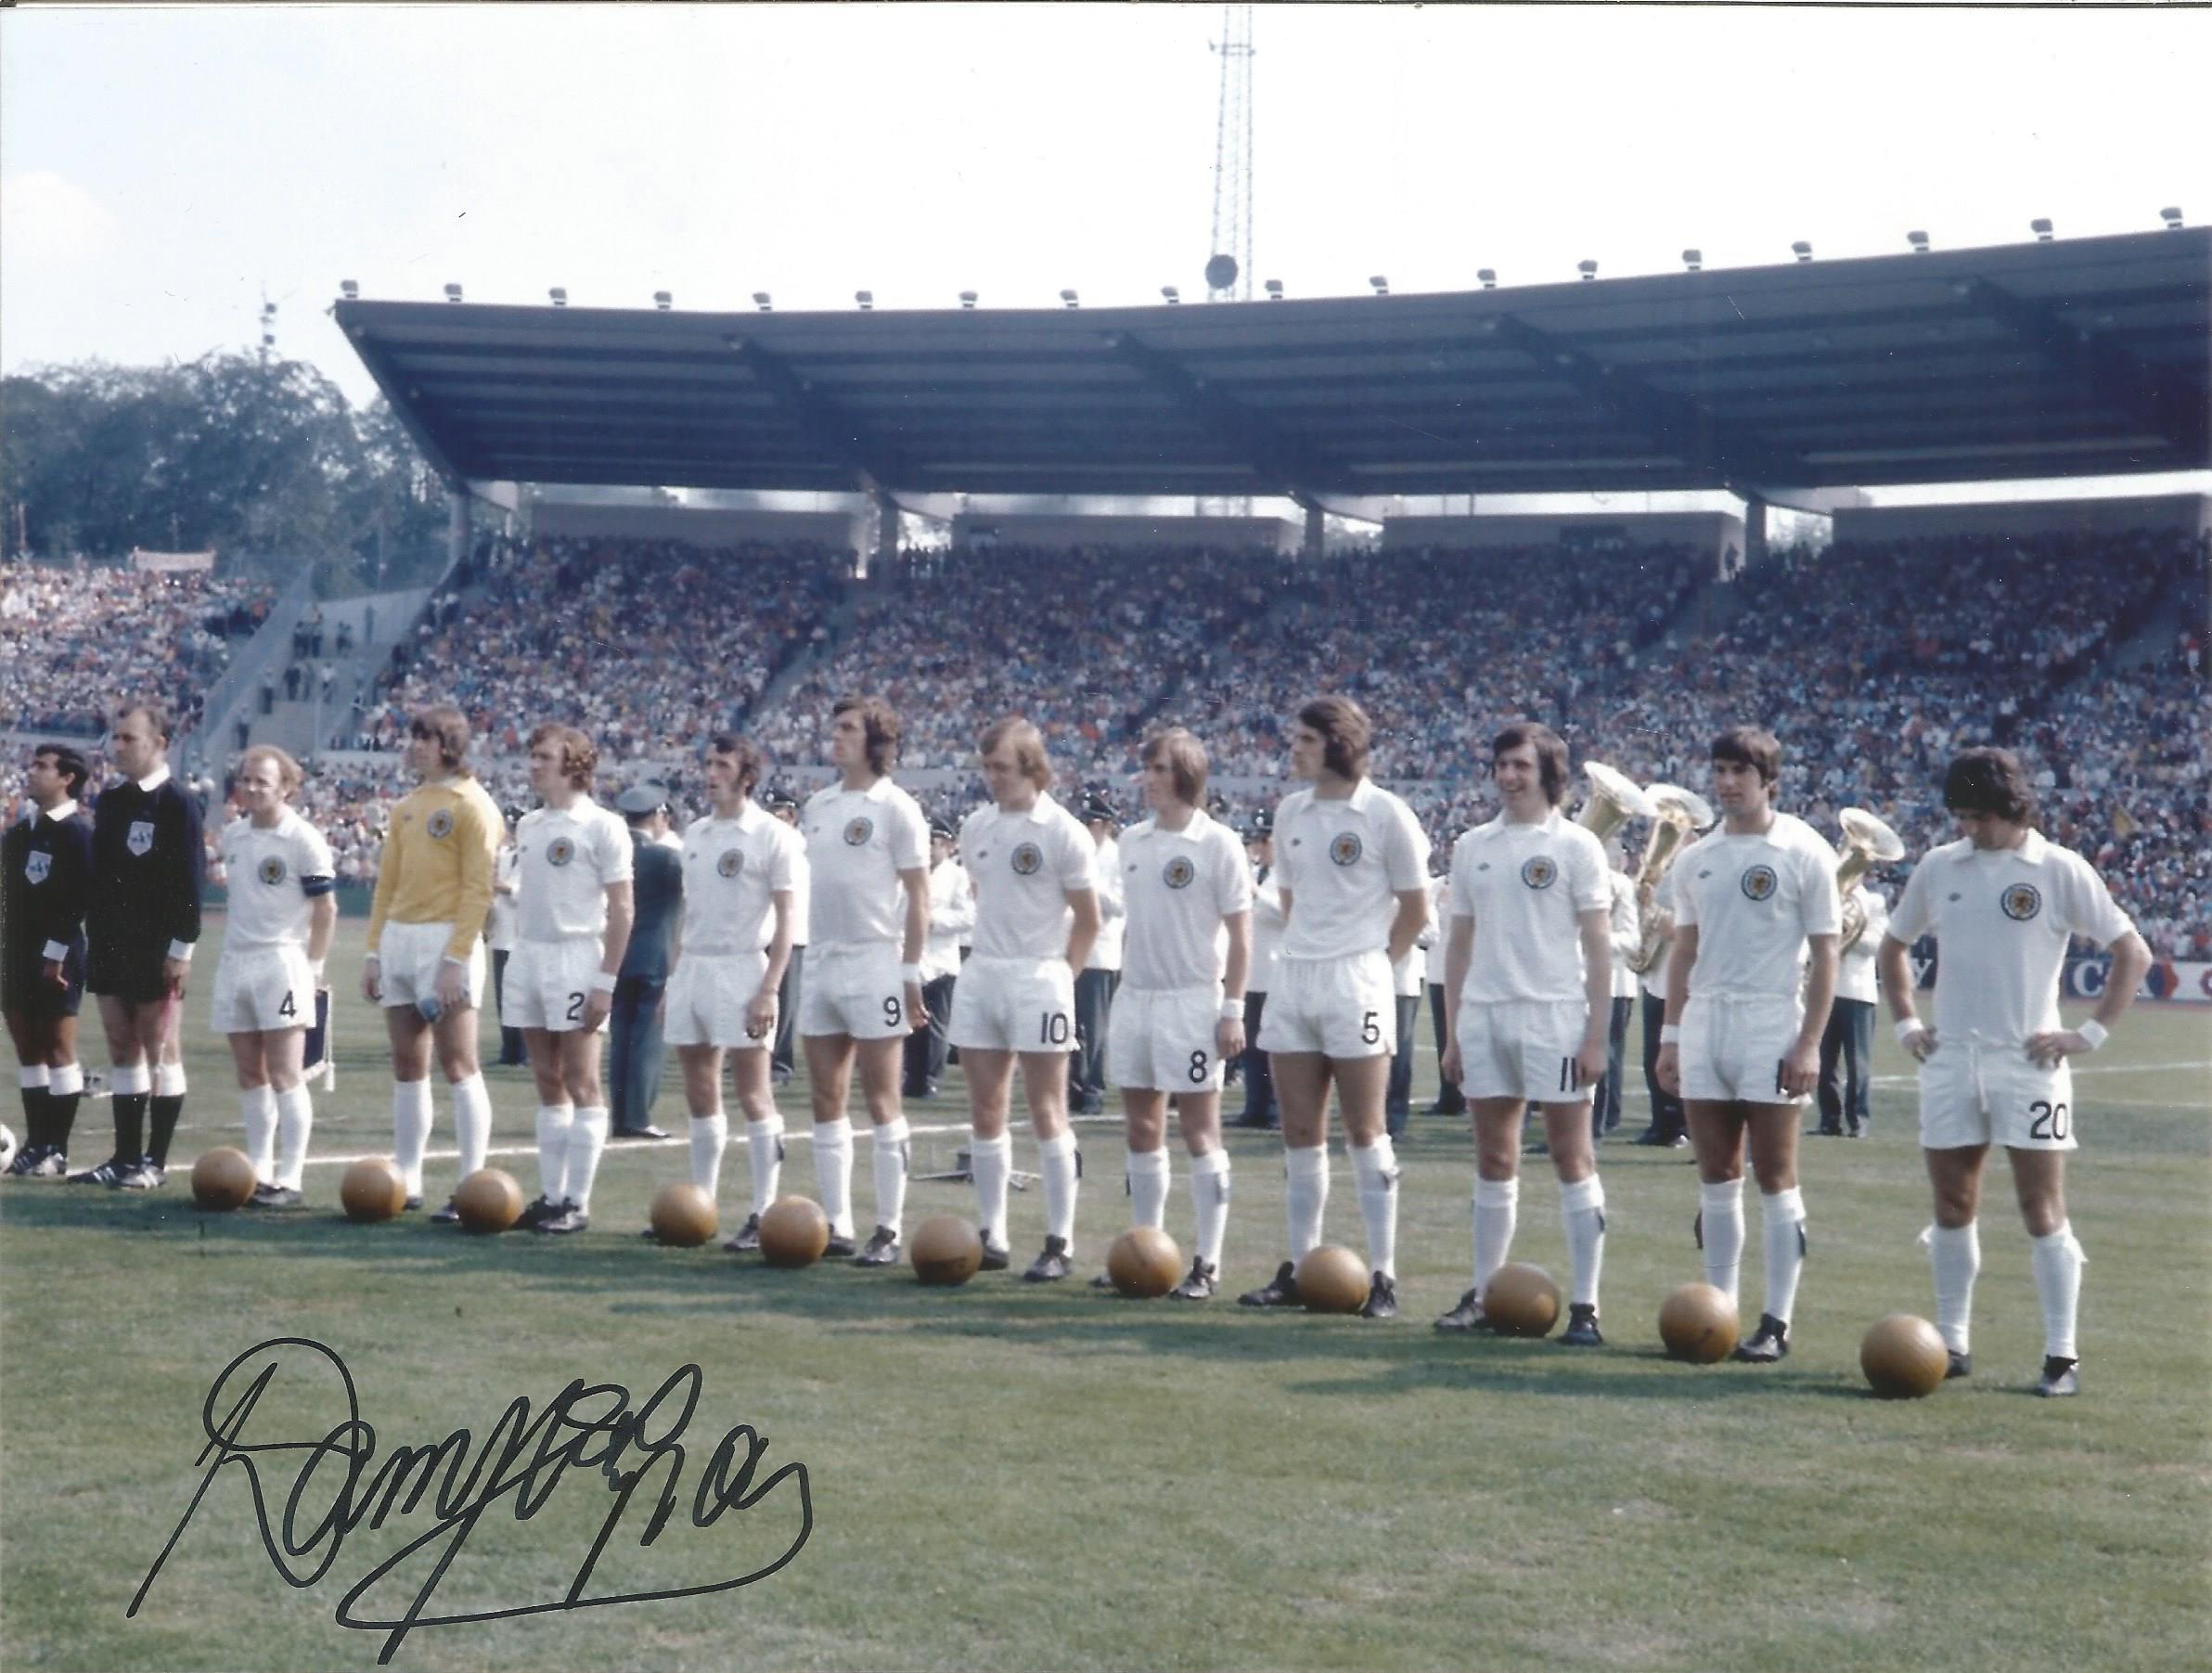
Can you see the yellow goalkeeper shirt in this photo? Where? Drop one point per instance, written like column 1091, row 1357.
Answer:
column 436, row 866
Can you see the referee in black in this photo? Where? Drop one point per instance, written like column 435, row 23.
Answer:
column 47, row 862
column 148, row 865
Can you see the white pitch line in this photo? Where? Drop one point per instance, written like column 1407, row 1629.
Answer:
column 1907, row 1080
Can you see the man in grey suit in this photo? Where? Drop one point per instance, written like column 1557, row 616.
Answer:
column 634, row 1025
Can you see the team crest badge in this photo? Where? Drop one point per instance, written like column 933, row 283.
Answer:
column 1539, row 872
column 270, row 870
column 858, row 832
column 140, row 841
column 1346, row 849
column 1758, row 883
column 559, row 852
column 1028, row 859
column 38, row 864
column 440, row 824
column 1178, row 873
column 731, row 863
column 2022, row 902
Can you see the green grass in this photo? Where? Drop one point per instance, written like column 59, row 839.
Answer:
column 1009, row 1477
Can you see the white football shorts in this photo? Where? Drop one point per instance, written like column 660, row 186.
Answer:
column 853, row 991
column 263, row 989
column 548, row 982
column 1974, row 1092
column 1521, row 1049
column 1733, row 1048
column 1165, row 1040
column 707, row 998
column 1015, row 1005
column 410, row 956
column 1340, row 1008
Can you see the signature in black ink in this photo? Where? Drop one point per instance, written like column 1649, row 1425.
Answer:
column 525, row 1456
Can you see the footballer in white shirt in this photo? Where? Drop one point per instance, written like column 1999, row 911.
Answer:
column 1187, row 944
column 1352, row 863
column 1756, row 903
column 2002, row 903
column 282, row 912
column 573, row 915
column 867, row 858
column 733, row 944
column 1033, row 869
column 1530, row 889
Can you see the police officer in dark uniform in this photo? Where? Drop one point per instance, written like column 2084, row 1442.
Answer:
column 781, row 1062
column 148, row 862
column 47, row 862
column 635, row 1049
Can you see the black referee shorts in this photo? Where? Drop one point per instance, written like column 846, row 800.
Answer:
column 131, row 973
column 24, row 988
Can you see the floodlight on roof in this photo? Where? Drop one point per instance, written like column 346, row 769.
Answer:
column 760, row 301
column 1273, row 289
column 1694, row 260
column 1919, row 240
column 453, row 294
column 350, row 289
column 867, row 299
column 2040, row 226
column 1071, row 298
column 1588, row 269
column 1802, row 250
column 560, row 294
column 1380, row 284
column 664, row 300
column 2172, row 217
column 1173, row 295
column 1488, row 276
column 966, row 299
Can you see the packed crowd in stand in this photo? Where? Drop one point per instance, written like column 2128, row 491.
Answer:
column 132, row 630
column 1873, row 665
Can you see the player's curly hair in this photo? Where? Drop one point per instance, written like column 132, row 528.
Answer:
column 745, row 753
column 578, row 755
column 1552, row 755
column 1751, row 746
column 1028, row 744
column 880, row 721
column 1990, row 780
column 1186, row 760
column 1345, row 731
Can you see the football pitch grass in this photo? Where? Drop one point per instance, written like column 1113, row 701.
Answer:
column 1015, row 1476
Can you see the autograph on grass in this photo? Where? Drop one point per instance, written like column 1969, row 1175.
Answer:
column 525, row 1456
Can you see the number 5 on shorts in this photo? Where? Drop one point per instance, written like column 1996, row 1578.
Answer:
column 1370, row 1030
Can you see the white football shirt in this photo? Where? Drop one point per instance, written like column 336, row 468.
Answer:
column 1022, row 866
column 1342, row 862
column 1177, row 886
column 857, row 843
column 732, row 870
column 2001, row 921
column 272, row 876
column 1527, row 887
column 1754, row 899
column 565, row 859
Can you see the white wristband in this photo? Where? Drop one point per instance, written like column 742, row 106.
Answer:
column 2094, row 1033
column 910, row 974
column 602, row 983
column 1670, row 1034
column 1232, row 1010
column 1908, row 1028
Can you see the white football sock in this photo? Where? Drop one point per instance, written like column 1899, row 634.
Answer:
column 890, row 1158
column 1782, row 1221
column 34, row 1077
column 1955, row 1252
column 1582, row 1217
column 992, row 1161
column 1720, row 1218
column 2059, row 1261
column 68, row 1080
column 553, row 1122
column 257, row 1110
column 764, row 1148
column 1056, row 1163
column 833, row 1172
column 411, row 1119
column 709, row 1134
column 1375, row 1173
column 127, row 1080
column 1306, row 1197
column 295, row 1120
column 1209, row 1202
column 471, row 1122
column 1496, row 1214
column 168, row 1080
column 587, row 1138
column 1149, row 1182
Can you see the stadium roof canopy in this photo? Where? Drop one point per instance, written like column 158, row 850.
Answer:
column 2080, row 357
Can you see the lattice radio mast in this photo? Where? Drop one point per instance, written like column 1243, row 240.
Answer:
column 1228, row 270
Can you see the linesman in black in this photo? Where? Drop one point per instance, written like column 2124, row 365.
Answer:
column 149, row 861
column 48, row 865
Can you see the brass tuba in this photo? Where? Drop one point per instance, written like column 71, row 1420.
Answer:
column 1678, row 816
column 1866, row 841
column 1613, row 800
